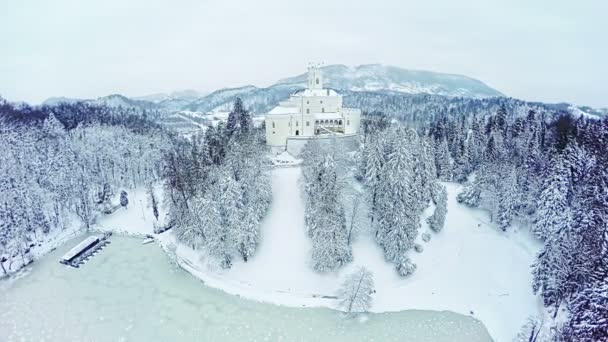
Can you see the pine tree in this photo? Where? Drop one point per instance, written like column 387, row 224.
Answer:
column 554, row 267
column 588, row 315
column 442, row 160
column 398, row 220
column 508, row 200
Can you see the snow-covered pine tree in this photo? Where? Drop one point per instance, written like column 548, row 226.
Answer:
column 331, row 249
column 508, row 200
column 355, row 294
column 375, row 157
column 398, row 217
column 588, row 315
column 440, row 198
column 553, row 267
column 442, row 160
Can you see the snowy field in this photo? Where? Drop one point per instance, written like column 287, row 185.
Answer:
column 470, row 267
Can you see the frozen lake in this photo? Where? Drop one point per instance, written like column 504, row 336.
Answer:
column 131, row 292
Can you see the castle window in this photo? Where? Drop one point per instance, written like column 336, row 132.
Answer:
column 348, row 122
column 339, row 122
column 317, row 80
column 307, row 102
column 297, row 132
column 307, row 123
column 296, row 124
column 322, row 110
column 273, row 132
column 321, row 101
column 327, row 92
column 307, row 110
column 273, row 126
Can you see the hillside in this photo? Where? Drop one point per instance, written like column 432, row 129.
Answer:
column 377, row 77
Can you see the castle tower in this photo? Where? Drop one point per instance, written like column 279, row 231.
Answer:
column 315, row 79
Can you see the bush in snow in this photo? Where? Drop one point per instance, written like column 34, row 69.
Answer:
column 124, row 200
column 405, row 267
column 355, row 294
column 469, row 196
column 426, row 237
column 418, row 248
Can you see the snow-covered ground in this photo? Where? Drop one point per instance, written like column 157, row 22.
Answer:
column 470, row 267
column 137, row 219
column 285, row 159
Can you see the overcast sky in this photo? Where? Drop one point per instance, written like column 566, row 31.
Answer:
column 547, row 50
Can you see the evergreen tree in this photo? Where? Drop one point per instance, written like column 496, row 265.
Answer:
column 588, row 312
column 398, row 221
column 442, row 160
column 325, row 215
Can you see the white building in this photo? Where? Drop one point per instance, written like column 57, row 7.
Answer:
column 311, row 113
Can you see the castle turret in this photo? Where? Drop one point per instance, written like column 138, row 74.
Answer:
column 315, row 79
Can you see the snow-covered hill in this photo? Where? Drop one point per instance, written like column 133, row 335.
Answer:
column 187, row 95
column 377, row 77
column 372, row 77
column 113, row 100
column 370, row 87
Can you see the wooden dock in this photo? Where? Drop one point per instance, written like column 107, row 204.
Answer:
column 85, row 250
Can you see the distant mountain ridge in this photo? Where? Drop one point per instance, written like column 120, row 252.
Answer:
column 353, row 82
column 369, row 77
column 378, row 77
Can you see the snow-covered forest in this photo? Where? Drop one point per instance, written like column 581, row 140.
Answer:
column 422, row 110
column 527, row 165
column 65, row 164
column 218, row 188
column 551, row 174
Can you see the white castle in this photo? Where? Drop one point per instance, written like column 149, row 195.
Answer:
column 311, row 113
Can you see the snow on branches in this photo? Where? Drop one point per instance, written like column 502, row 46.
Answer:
column 218, row 189
column 399, row 172
column 325, row 213
column 355, row 294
